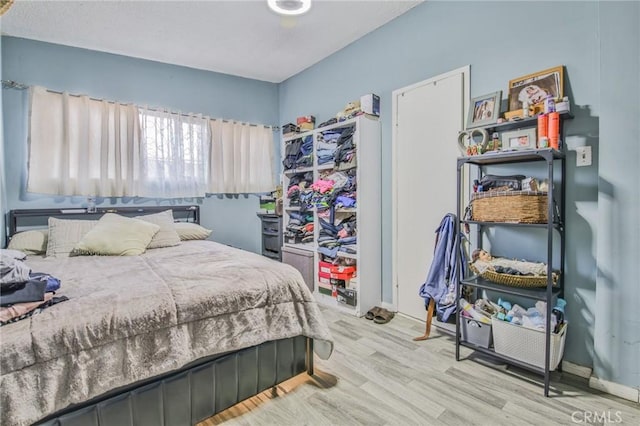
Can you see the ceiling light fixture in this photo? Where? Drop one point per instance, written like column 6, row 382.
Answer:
column 289, row 7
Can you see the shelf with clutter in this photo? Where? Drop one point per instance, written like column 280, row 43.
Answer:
column 332, row 205
column 536, row 109
column 513, row 333
column 527, row 138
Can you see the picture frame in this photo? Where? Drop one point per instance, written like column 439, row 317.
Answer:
column 484, row 110
column 534, row 88
column 519, row 139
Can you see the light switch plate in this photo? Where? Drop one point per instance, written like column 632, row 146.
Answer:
column 583, row 156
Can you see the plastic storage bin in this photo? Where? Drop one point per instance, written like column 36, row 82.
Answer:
column 526, row 344
column 302, row 260
column 476, row 332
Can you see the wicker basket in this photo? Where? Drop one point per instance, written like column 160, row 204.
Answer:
column 526, row 281
column 5, row 5
column 509, row 206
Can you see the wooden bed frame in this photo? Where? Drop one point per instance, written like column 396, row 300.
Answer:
column 198, row 390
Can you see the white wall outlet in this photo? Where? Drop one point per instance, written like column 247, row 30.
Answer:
column 583, row 156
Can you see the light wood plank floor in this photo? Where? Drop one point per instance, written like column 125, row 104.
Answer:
column 378, row 376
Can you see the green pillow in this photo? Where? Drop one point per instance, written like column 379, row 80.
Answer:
column 116, row 235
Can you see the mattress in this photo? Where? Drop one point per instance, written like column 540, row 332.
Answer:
column 133, row 318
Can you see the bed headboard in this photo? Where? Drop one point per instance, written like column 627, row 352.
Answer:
column 40, row 217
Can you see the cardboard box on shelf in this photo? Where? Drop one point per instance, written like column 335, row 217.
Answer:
column 370, row 104
column 307, row 122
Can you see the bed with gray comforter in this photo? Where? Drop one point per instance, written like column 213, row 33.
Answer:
column 133, row 318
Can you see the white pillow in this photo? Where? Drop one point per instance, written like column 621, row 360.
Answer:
column 116, row 235
column 167, row 235
column 64, row 234
column 33, row 241
column 191, row 231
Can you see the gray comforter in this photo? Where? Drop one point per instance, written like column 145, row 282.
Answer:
column 132, row 318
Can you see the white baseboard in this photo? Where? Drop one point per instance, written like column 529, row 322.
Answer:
column 576, row 370
column 622, row 391
column 389, row 306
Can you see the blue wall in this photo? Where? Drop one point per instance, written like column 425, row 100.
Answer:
column 437, row 37
column 142, row 82
column 617, row 323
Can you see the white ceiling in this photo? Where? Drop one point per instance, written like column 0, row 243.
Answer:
column 240, row 37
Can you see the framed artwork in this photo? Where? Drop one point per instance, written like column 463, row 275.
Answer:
column 519, row 139
column 534, row 88
column 484, row 110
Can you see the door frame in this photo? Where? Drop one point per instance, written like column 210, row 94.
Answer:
column 465, row 71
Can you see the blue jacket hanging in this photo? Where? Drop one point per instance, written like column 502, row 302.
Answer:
column 446, row 270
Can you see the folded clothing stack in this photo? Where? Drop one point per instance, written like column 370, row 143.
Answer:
column 298, row 153
column 338, row 237
column 300, row 228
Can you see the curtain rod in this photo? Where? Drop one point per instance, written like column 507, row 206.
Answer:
column 10, row 84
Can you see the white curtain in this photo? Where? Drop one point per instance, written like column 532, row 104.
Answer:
column 80, row 146
column 241, row 158
column 174, row 154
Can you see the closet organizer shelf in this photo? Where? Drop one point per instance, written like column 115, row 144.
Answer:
column 296, row 136
column 366, row 173
column 553, row 161
column 327, row 166
column 298, row 170
column 306, row 247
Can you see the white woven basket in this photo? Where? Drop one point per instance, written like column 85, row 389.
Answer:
column 526, row 344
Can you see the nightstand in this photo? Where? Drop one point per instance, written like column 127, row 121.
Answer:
column 271, row 235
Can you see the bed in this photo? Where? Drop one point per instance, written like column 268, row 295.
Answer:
column 168, row 337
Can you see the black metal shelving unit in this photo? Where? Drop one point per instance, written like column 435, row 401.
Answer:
column 556, row 225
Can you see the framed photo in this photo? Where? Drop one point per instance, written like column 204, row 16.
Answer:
column 534, row 88
column 484, row 110
column 519, row 139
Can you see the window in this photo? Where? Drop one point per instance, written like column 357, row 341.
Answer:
column 83, row 146
column 174, row 154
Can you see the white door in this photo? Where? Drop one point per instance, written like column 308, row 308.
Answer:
column 429, row 116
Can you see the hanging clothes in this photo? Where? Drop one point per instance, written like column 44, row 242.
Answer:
column 447, row 269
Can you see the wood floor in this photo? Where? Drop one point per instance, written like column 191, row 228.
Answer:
column 378, row 376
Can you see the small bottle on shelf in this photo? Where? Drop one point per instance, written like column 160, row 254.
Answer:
column 549, row 105
column 495, row 139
